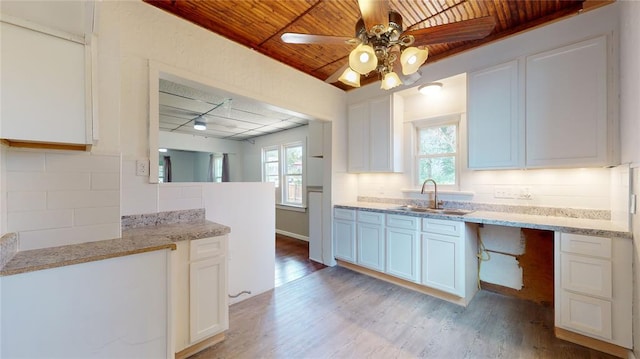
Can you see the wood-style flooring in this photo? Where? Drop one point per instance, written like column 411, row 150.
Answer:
column 338, row 313
column 292, row 260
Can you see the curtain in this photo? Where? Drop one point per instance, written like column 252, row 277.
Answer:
column 225, row 167
column 211, row 169
column 167, row 169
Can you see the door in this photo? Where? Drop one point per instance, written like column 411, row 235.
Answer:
column 344, row 233
column 402, row 253
column 208, row 292
column 371, row 246
column 442, row 266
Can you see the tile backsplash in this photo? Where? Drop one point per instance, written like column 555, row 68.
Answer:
column 57, row 198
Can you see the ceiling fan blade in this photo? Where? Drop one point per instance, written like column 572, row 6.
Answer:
column 457, row 31
column 374, row 12
column 336, row 75
column 293, row 38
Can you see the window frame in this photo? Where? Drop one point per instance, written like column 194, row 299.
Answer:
column 285, row 175
column 416, row 156
column 281, row 190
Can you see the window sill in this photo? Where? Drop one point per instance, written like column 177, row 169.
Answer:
column 287, row 207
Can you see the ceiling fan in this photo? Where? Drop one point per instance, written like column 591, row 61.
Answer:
column 381, row 41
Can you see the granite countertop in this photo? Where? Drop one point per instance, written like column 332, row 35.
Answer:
column 133, row 241
column 593, row 227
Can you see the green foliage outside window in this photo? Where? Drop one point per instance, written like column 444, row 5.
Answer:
column 437, row 152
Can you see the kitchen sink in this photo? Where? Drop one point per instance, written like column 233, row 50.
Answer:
column 449, row 211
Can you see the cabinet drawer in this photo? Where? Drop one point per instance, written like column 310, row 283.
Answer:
column 588, row 245
column 370, row 217
column 207, row 247
column 586, row 314
column 341, row 213
column 400, row 221
column 442, row 226
column 586, row 275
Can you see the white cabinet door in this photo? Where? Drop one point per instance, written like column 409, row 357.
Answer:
column 344, row 236
column 375, row 135
column 403, row 253
column 358, row 142
column 316, row 139
column 208, row 292
column 586, row 314
column 315, row 226
column 566, row 111
column 494, row 119
column 371, row 246
column 380, row 135
column 44, row 88
column 442, row 263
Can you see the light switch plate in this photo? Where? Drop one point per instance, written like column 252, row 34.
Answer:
column 142, row 168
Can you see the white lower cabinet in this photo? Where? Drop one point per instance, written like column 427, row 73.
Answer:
column 448, row 257
column 403, row 247
column 593, row 287
column 371, row 240
column 199, row 292
column 433, row 253
column 344, row 234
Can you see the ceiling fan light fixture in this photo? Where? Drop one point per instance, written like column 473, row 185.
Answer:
column 350, row 77
column 390, row 80
column 363, row 59
column 199, row 124
column 430, row 88
column 412, row 58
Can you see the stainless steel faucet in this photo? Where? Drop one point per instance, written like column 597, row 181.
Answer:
column 435, row 191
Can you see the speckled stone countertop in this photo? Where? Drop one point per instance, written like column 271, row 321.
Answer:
column 593, row 227
column 133, row 241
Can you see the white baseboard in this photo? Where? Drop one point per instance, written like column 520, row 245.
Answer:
column 293, row 235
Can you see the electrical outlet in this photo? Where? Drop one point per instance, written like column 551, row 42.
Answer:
column 525, row 193
column 142, row 168
column 504, row 192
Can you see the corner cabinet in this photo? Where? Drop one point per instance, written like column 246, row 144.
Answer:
column 593, row 289
column 494, row 112
column 200, row 294
column 375, row 135
column 567, row 115
column 46, row 86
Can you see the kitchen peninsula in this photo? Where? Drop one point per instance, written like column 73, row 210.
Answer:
column 142, row 269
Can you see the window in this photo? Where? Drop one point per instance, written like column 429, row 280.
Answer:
column 217, row 168
column 292, row 174
column 283, row 165
column 437, row 153
column 271, row 165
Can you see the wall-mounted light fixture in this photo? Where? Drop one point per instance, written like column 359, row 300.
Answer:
column 430, row 88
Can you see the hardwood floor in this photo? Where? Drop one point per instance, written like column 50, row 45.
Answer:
column 338, row 313
column 292, row 260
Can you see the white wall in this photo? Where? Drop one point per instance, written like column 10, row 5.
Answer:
column 630, row 131
column 58, row 198
column 249, row 209
column 114, row 308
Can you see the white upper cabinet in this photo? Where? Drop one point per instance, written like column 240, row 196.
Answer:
column 316, row 137
column 494, row 119
column 375, row 135
column 552, row 109
column 46, row 89
column 566, row 106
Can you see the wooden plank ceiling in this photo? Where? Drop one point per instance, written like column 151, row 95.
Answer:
column 258, row 24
